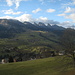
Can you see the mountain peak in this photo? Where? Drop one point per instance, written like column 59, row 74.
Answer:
column 41, row 24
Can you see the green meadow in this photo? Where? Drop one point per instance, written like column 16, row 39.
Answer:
column 59, row 65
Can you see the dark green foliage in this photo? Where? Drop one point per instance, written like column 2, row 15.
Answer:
column 68, row 42
column 10, row 59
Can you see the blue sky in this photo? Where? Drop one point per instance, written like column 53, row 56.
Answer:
column 61, row 12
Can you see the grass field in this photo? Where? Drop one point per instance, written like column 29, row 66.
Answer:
column 59, row 65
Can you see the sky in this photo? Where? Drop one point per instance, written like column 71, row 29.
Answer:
column 60, row 12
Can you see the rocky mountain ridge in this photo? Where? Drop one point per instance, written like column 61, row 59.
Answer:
column 9, row 27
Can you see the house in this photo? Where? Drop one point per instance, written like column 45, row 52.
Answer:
column 61, row 53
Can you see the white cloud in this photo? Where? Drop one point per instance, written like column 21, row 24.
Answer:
column 46, row 20
column 66, row 24
column 37, row 10
column 6, row 17
column 25, row 17
column 69, row 10
column 69, row 13
column 50, row 10
column 42, row 19
column 16, row 2
column 44, row 2
column 61, row 14
column 10, row 11
column 71, row 16
column 9, row 2
column 69, row 3
column 29, row 18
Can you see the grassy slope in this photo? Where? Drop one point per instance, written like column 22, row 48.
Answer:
column 34, row 38
column 31, row 39
column 47, row 66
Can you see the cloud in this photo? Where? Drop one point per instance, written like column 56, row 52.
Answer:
column 42, row 19
column 9, row 2
column 44, row 2
column 69, row 3
column 61, row 14
column 71, row 16
column 69, row 10
column 29, row 18
column 66, row 24
column 69, row 13
column 49, row 0
column 16, row 2
column 37, row 10
column 6, row 17
column 25, row 17
column 45, row 20
column 22, row 18
column 10, row 11
column 50, row 10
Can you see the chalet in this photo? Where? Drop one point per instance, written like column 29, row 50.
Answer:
column 61, row 53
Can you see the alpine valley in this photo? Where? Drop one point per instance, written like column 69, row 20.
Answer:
column 27, row 39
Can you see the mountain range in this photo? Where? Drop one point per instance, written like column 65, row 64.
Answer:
column 9, row 27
